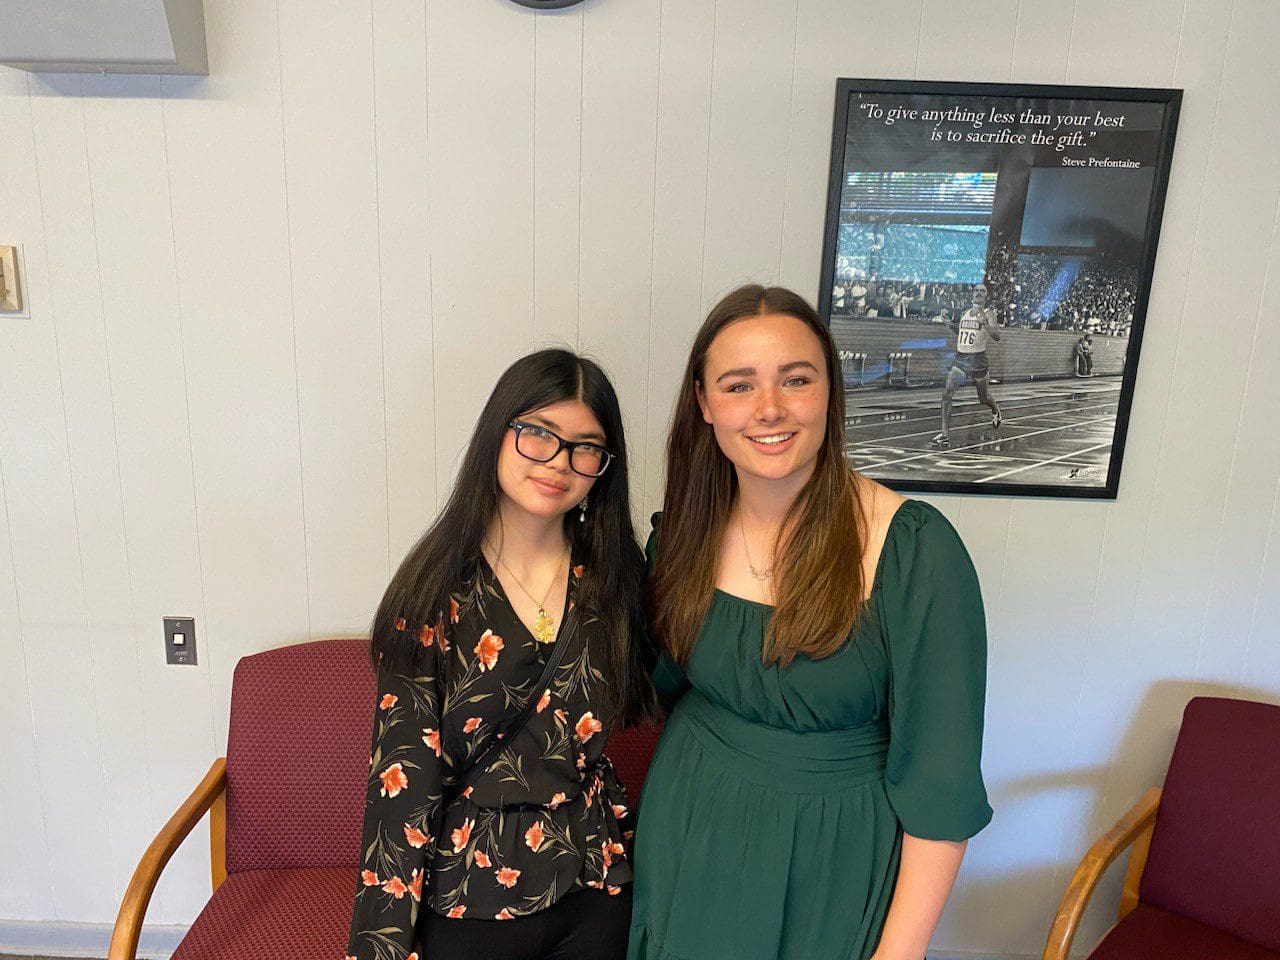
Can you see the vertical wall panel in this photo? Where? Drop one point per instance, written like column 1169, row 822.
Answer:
column 480, row 113
column 28, row 892
column 330, row 172
column 404, row 253
column 1230, row 252
column 76, row 597
column 29, row 425
column 679, row 221
column 1251, row 490
column 124, row 136
column 224, row 138
column 559, row 78
column 619, row 129
column 751, row 87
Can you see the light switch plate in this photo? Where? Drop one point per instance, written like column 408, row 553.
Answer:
column 183, row 653
column 11, row 281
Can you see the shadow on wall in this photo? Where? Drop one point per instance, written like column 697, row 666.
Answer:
column 1139, row 762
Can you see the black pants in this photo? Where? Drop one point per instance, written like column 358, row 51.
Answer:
column 587, row 925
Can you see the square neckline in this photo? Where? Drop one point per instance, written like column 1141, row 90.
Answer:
column 876, row 576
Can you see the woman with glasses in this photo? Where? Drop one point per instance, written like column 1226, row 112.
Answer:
column 506, row 645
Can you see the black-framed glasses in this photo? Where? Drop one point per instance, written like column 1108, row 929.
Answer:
column 541, row 445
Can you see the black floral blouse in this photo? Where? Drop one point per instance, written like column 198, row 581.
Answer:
column 548, row 818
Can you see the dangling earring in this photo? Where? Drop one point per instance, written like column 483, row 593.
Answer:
column 582, row 511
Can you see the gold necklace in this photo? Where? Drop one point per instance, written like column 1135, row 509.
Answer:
column 544, row 625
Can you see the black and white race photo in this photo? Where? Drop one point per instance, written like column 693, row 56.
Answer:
column 987, row 261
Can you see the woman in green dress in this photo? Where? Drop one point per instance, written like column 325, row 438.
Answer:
column 825, row 662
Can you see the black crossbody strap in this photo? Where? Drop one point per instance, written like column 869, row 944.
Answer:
column 484, row 760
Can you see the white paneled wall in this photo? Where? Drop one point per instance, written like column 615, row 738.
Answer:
column 266, row 307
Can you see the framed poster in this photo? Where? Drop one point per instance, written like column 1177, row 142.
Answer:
column 985, row 274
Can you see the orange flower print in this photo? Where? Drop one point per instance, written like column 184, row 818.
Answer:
column 608, row 856
column 400, row 623
column 462, row 835
column 482, row 859
column 533, row 836
column 598, row 884
column 587, row 726
column 619, row 811
column 579, row 570
column 396, row 887
column 415, row 885
column 556, row 800
column 467, row 792
column 417, row 839
column 393, row 780
column 431, row 738
column 487, row 649
column 507, row 877
column 560, row 715
column 388, row 701
column 453, row 610
column 472, row 725
column 504, row 914
column 616, row 847
column 443, row 640
column 582, row 761
column 544, row 700
column 456, row 913
column 369, row 878
column 427, row 636
column 614, row 891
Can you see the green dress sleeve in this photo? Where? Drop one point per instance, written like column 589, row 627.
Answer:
column 931, row 613
column 669, row 679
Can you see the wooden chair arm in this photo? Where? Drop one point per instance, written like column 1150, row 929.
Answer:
column 1135, row 824
column 124, row 939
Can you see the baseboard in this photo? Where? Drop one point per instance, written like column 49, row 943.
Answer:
column 51, row 938
column 54, row 939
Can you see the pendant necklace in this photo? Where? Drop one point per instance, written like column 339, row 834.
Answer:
column 544, row 625
column 761, row 575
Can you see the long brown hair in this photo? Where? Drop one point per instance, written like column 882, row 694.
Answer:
column 819, row 585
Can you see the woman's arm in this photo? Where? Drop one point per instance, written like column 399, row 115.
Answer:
column 925, row 877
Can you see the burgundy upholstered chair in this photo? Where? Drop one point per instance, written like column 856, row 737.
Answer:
column 285, row 808
column 1203, row 881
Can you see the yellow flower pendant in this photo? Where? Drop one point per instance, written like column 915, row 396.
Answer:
column 544, row 627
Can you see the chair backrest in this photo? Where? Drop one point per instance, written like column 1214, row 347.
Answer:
column 1215, row 851
column 631, row 750
column 298, row 756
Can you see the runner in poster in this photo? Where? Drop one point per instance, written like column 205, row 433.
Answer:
column 975, row 329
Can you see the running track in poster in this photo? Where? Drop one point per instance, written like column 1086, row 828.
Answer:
column 1056, row 432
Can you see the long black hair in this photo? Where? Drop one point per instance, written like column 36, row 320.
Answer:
column 447, row 554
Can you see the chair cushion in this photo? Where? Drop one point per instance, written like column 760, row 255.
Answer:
column 269, row 914
column 1149, row 933
column 1215, row 851
column 298, row 756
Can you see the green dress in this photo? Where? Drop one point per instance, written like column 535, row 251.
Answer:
column 770, row 824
